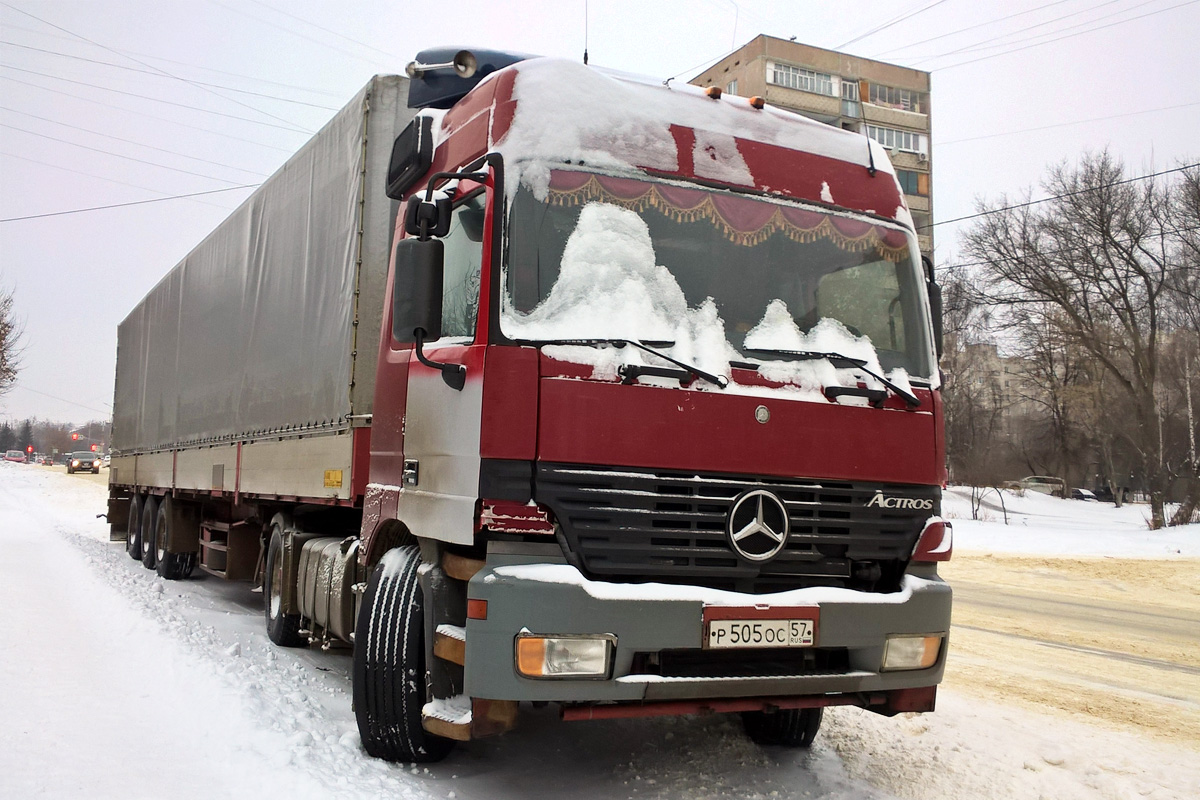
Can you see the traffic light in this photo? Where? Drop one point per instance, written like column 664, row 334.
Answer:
column 75, row 437
column 93, row 448
column 29, row 448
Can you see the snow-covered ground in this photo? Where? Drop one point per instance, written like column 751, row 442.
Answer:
column 1039, row 524
column 115, row 684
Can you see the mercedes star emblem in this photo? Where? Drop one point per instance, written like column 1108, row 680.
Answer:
column 757, row 526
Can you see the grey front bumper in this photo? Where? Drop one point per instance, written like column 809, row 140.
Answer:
column 556, row 599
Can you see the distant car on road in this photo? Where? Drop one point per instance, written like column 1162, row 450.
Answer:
column 106, row 460
column 1083, row 494
column 15, row 456
column 83, row 462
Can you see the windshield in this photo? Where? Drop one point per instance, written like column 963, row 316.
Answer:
column 604, row 257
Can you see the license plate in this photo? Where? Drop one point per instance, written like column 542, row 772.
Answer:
column 748, row 633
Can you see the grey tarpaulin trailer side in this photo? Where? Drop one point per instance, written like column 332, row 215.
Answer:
column 266, row 334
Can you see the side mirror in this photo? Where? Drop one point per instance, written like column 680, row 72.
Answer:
column 417, row 290
column 935, row 304
column 412, row 155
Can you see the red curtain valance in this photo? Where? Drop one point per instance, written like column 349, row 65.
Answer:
column 742, row 220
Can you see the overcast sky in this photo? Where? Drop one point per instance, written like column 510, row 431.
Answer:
column 105, row 102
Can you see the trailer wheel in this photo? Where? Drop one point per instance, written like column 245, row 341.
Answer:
column 171, row 566
column 149, row 519
column 389, row 664
column 282, row 629
column 133, row 536
column 789, row 727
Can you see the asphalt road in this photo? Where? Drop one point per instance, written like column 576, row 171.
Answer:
column 1112, row 638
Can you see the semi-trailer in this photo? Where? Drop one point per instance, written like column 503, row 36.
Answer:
column 527, row 381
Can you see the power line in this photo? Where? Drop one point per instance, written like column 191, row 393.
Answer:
column 61, row 399
column 1066, row 124
column 131, row 141
column 1061, row 196
column 190, row 126
column 969, row 28
column 134, row 203
column 158, row 75
column 320, row 28
column 986, row 44
column 114, row 155
column 894, row 20
column 40, row 32
column 148, row 66
column 7, row 154
column 342, row 50
column 1067, row 36
column 290, row 128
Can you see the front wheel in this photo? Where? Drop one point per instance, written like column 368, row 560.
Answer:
column 789, row 727
column 389, row 664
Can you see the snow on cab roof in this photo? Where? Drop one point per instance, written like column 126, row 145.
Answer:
column 616, row 120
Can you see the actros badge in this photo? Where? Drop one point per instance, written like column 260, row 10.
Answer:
column 758, row 525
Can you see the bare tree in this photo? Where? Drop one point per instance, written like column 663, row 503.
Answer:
column 1098, row 264
column 10, row 338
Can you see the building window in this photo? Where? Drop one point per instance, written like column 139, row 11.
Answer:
column 901, row 99
column 732, row 87
column 803, row 79
column 850, row 106
column 915, row 183
column 906, row 141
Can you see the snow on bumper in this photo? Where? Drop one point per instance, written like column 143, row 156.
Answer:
column 556, row 599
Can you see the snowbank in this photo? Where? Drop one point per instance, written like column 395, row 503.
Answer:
column 1039, row 524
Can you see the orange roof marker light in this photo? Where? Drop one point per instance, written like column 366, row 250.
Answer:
column 714, row 92
column 757, row 102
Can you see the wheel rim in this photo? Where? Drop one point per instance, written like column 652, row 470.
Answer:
column 276, row 588
column 160, row 540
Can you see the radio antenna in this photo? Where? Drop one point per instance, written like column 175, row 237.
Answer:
column 585, row 31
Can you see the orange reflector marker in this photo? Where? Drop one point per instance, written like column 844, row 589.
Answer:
column 476, row 609
column 531, row 656
column 757, row 102
column 714, row 92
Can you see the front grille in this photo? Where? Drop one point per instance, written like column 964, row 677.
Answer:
column 649, row 525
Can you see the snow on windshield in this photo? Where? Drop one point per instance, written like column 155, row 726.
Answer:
column 610, row 286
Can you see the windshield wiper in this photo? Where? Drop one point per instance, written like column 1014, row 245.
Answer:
column 631, row 371
column 843, row 362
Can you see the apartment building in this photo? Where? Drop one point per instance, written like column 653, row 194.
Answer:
column 887, row 102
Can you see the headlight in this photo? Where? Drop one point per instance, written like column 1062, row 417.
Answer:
column 95, row 463
column 911, row 652
column 565, row 656
column 74, row 463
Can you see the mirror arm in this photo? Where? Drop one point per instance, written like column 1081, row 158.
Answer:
column 455, row 375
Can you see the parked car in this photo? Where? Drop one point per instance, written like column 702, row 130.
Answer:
column 83, row 461
column 15, row 456
column 1045, row 484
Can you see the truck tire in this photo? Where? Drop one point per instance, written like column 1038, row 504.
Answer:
column 149, row 518
column 282, row 629
column 389, row 664
column 170, row 566
column 133, row 535
column 790, row 727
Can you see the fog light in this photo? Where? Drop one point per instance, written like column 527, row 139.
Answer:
column 911, row 652
column 564, row 656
